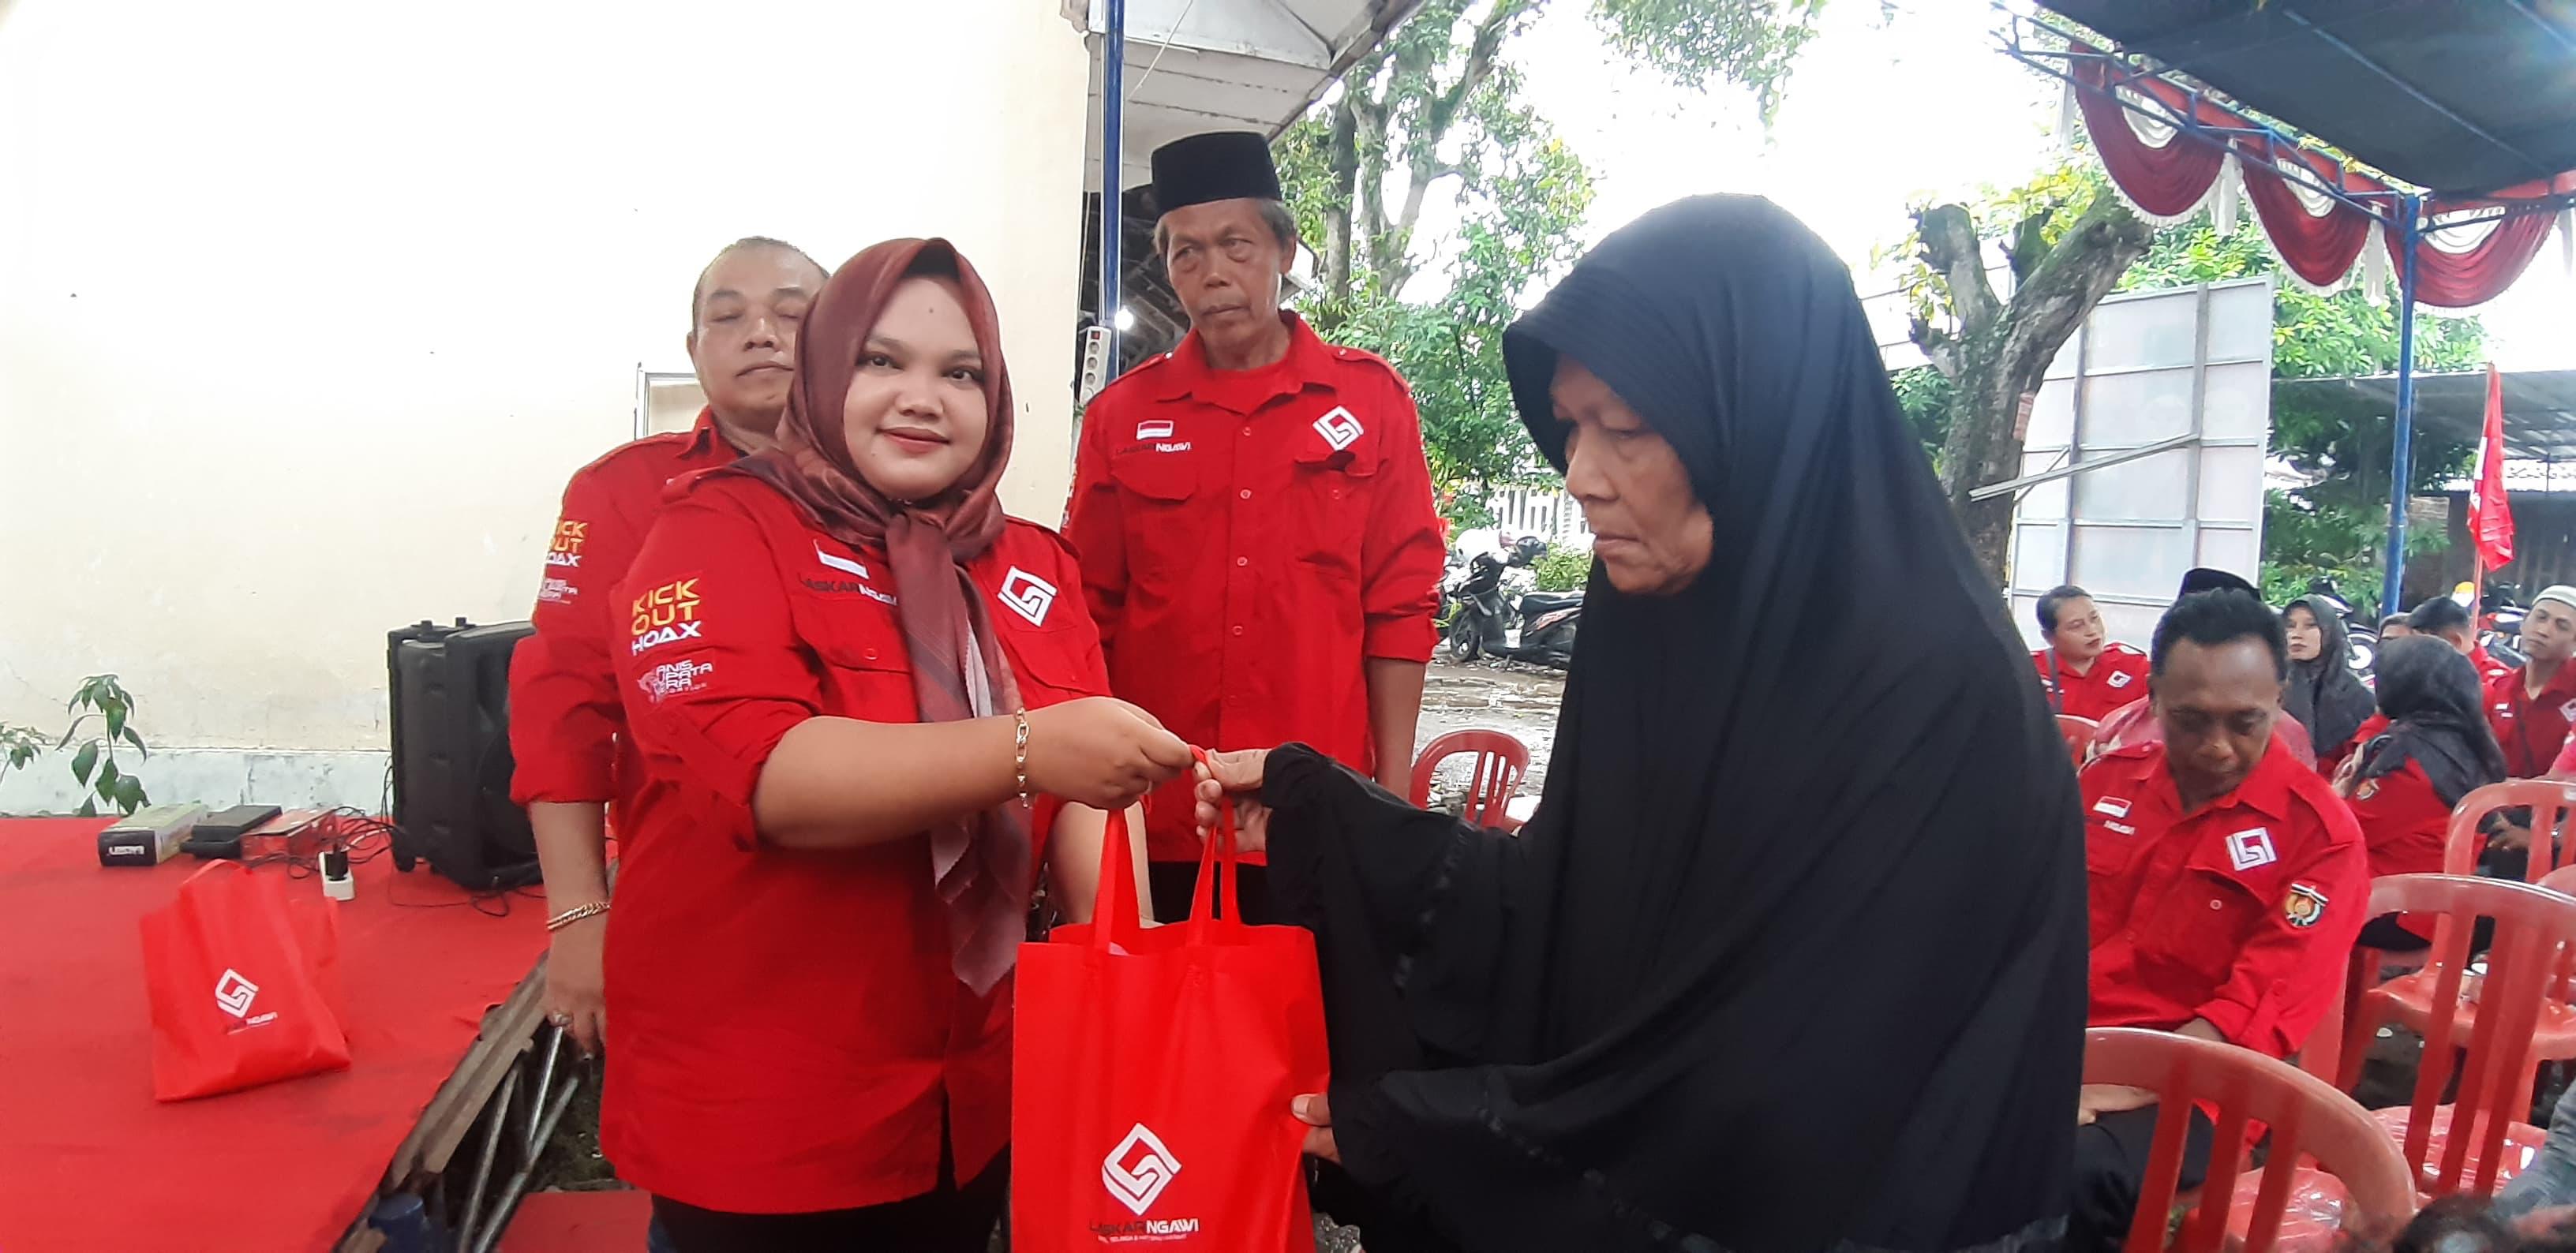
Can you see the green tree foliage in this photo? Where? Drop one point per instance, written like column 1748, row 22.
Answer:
column 1438, row 110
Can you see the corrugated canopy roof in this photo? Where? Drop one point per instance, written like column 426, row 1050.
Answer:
column 2539, row 406
column 2459, row 97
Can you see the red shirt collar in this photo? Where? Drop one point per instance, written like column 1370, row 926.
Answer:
column 1243, row 391
column 2266, row 788
column 705, row 435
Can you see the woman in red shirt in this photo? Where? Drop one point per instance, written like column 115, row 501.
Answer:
column 2403, row 782
column 867, row 703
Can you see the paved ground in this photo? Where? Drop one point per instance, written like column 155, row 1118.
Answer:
column 1499, row 696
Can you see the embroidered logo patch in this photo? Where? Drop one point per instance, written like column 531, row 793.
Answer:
column 2120, row 678
column 1027, row 595
column 2251, row 848
column 1340, row 428
column 2304, row 906
column 666, row 615
column 2111, row 806
column 1153, row 430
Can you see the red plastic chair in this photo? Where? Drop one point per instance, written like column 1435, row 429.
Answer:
column 2308, row 1119
column 1501, row 763
column 2079, row 736
column 2409, row 999
column 2550, row 805
column 2535, row 937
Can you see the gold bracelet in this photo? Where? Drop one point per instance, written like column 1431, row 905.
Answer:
column 1020, row 752
column 576, row 914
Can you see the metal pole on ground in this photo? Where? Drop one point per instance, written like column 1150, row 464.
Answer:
column 2401, row 450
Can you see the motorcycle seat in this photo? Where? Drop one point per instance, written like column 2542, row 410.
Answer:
column 1547, row 602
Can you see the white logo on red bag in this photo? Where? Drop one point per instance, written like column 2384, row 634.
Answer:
column 1028, row 595
column 1137, row 1171
column 1340, row 428
column 235, row 993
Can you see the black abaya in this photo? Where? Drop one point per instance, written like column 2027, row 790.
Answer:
column 1791, row 956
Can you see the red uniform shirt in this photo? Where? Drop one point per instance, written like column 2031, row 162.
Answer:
column 2531, row 728
column 2118, row 676
column 565, row 716
column 2135, row 723
column 2488, row 666
column 1249, row 539
column 788, row 1026
column 2241, row 912
column 2403, row 820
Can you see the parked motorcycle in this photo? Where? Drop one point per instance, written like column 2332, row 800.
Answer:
column 1481, row 620
column 2500, row 626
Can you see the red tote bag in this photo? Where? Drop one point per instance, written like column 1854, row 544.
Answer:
column 244, row 988
column 1152, row 1071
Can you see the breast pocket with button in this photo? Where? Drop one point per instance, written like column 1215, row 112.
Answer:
column 1155, row 489
column 2206, row 918
column 1331, row 488
column 866, row 673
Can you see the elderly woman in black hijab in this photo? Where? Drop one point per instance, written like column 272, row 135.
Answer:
column 1791, row 956
column 2323, row 694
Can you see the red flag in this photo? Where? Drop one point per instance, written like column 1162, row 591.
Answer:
column 2490, row 515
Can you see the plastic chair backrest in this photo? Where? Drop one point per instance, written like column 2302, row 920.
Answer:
column 2534, row 933
column 2306, row 1114
column 2550, row 804
column 2079, row 736
column 1501, row 763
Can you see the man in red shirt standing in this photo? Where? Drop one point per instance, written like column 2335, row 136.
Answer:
column 1254, row 513
column 567, row 721
column 2227, row 884
column 2084, row 672
column 2530, row 707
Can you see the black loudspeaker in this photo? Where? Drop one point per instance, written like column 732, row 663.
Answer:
column 450, row 687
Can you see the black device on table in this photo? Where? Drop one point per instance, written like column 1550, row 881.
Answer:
column 218, row 835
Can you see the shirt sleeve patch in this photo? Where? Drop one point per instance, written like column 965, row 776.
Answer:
column 665, row 615
column 2304, row 906
column 564, row 552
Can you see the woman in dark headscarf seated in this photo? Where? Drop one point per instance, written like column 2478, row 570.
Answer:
column 2403, row 783
column 2323, row 694
column 1791, row 956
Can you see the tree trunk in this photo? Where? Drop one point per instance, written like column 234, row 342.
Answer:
column 1999, row 351
column 1345, row 158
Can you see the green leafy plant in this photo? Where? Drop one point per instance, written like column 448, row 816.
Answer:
column 19, row 746
column 104, row 702
column 1563, row 569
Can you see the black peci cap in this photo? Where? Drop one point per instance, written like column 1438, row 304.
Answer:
column 1219, row 165
column 2204, row 579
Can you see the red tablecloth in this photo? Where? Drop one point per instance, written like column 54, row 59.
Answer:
column 88, row 1160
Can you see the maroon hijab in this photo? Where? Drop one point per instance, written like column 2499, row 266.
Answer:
column 980, row 863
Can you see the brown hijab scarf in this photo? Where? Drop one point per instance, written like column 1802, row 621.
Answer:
column 980, row 863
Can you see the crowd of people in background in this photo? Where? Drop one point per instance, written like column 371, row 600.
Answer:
column 2229, row 869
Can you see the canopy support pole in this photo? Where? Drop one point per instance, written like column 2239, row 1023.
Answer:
column 2401, row 449
column 1113, row 95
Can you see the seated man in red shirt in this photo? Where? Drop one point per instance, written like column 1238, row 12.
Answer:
column 2226, row 882
column 2084, row 671
column 2530, row 706
column 2135, row 723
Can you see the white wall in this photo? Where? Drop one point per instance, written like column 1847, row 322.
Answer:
column 307, row 308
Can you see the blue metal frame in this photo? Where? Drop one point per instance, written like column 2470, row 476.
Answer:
column 1113, row 93
column 2401, row 446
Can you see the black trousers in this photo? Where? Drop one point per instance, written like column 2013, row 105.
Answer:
column 2111, row 1168
column 947, row 1219
column 1172, row 882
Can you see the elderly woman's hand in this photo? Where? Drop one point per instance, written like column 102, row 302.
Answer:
column 1237, row 774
